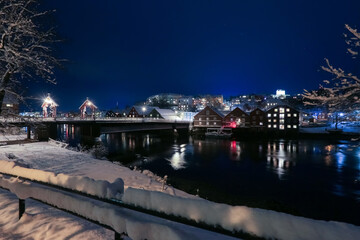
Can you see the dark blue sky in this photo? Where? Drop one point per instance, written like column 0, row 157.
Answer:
column 124, row 51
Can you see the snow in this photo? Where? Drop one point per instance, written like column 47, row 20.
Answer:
column 38, row 222
column 137, row 225
column 146, row 190
column 99, row 188
column 4, row 138
column 265, row 223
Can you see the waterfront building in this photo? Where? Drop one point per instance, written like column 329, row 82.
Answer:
column 257, row 118
column 159, row 113
column 283, row 118
column 236, row 118
column 208, row 117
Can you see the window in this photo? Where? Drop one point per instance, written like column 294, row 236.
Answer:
column 261, row 123
column 214, row 123
column 282, row 121
column 281, row 115
column 207, row 118
column 269, row 114
column 295, row 115
column 282, row 110
column 269, row 120
column 288, row 126
column 275, row 120
column 275, row 115
column 281, row 127
column 275, row 110
column 199, row 119
column 275, row 126
column 207, row 123
column 288, row 110
column 294, row 126
column 269, row 126
column 289, row 114
column 231, row 119
column 199, row 123
column 9, row 105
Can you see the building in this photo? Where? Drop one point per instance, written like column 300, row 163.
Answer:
column 236, row 118
column 257, row 118
column 283, row 118
column 208, row 117
column 49, row 105
column 10, row 104
column 139, row 111
column 87, row 107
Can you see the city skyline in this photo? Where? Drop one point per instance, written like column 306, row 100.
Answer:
column 123, row 52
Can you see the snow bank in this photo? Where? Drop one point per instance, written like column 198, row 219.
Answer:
column 99, row 188
column 121, row 220
column 264, row 223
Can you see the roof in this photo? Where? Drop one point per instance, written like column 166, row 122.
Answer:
column 49, row 100
column 89, row 103
column 166, row 113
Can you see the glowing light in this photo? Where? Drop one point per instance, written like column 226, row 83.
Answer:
column 144, row 109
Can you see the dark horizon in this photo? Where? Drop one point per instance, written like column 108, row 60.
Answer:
column 125, row 51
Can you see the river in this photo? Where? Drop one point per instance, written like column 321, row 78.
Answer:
column 313, row 178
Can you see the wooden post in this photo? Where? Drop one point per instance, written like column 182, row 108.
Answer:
column 21, row 207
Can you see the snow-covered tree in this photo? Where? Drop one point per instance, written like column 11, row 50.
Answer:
column 342, row 92
column 25, row 45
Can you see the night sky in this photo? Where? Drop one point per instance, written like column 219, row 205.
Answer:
column 125, row 51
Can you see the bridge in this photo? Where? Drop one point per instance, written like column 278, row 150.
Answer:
column 94, row 127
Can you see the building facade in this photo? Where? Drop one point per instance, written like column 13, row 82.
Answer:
column 208, row 117
column 283, row 118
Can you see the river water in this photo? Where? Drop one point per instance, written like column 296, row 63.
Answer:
column 313, row 178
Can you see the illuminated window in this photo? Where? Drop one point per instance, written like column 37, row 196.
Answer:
column 281, row 115
column 207, row 123
column 282, row 110
column 281, row 127
column 199, row 123
column 288, row 126
column 269, row 114
column 207, row 118
column 275, row 115
column 269, row 120
column 9, row 105
column 275, row 120
column 214, row 123
column 295, row 115
column 275, row 110
column 275, row 126
column 295, row 126
column 269, row 126
column 289, row 114
column 282, row 121
column 200, row 119
column 288, row 110
column 231, row 119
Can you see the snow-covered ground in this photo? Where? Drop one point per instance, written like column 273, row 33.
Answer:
column 7, row 137
column 146, row 191
column 346, row 128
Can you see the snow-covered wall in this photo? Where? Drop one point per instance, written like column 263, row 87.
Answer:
column 99, row 188
column 264, row 223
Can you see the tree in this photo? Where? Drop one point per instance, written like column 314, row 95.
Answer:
column 26, row 45
column 342, row 92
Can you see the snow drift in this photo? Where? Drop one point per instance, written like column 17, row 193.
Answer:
column 99, row 188
column 264, row 223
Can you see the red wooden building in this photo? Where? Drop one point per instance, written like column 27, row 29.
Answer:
column 87, row 108
column 49, row 107
column 236, row 118
column 208, row 117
